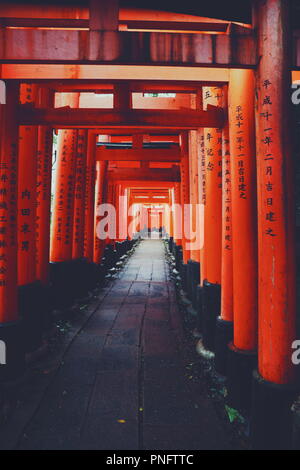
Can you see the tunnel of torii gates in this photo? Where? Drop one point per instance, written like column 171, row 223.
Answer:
column 154, row 113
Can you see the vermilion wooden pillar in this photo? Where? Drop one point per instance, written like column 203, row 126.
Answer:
column 62, row 228
column 8, row 206
column 10, row 331
column 63, row 207
column 44, row 173
column 202, row 196
column 185, row 201
column 161, row 222
column 125, row 192
column 31, row 303
column 177, row 215
column 242, row 352
column 213, row 193
column 193, row 267
column 100, row 196
column 244, row 213
column 185, row 196
column 27, row 192
column 170, row 216
column 226, row 269
column 79, row 192
column 123, row 213
column 273, row 383
column 211, row 263
column 118, row 208
column 194, row 193
column 62, row 271
column 90, row 198
column 224, row 327
column 129, row 213
column 144, row 220
column 109, row 200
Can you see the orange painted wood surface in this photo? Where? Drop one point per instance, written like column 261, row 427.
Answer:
column 63, row 207
column 90, row 117
column 185, row 197
column 8, row 205
column 44, row 176
column 27, row 192
column 276, row 230
column 244, row 211
column 79, row 194
column 211, row 266
column 226, row 268
column 89, row 213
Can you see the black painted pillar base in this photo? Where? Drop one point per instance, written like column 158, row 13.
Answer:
column 110, row 256
column 189, row 279
column 271, row 416
column 240, row 366
column 199, row 293
column 178, row 256
column 223, row 336
column 174, row 248
column 121, row 248
column 193, row 274
column 62, row 275
column 32, row 309
column 211, row 300
column 47, row 306
column 11, row 351
column 95, row 275
column 79, row 278
column 100, row 273
column 183, row 275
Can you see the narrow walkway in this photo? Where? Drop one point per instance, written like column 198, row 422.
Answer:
column 121, row 384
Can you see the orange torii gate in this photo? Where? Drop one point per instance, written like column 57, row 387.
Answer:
column 258, row 282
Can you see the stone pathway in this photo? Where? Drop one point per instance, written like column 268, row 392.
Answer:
column 121, row 382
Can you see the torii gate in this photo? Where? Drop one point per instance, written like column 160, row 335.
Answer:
column 67, row 55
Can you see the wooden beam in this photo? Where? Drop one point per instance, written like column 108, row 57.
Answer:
column 142, row 184
column 147, row 138
column 110, row 72
column 90, row 117
column 149, row 195
column 149, row 192
column 121, row 135
column 152, row 174
column 132, row 155
column 44, row 23
column 98, row 22
column 128, row 131
column 77, row 46
column 176, row 26
column 145, row 200
column 136, row 86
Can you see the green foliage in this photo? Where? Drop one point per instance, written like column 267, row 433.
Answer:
column 233, row 415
